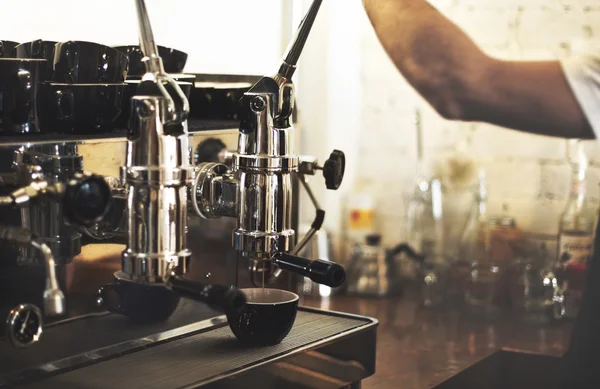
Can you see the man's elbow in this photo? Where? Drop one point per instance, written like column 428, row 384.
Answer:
column 448, row 103
column 451, row 95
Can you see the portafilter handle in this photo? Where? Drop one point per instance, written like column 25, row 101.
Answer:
column 223, row 298
column 320, row 271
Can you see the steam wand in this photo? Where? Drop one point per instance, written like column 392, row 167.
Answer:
column 54, row 299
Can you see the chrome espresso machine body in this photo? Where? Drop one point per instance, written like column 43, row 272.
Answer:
column 125, row 276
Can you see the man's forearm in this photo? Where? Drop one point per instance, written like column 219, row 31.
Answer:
column 461, row 82
column 432, row 53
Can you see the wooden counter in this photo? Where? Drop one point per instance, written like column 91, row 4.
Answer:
column 418, row 348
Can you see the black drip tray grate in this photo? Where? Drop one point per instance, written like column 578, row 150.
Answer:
column 197, row 358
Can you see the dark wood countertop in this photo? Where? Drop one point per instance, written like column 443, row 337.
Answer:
column 418, row 347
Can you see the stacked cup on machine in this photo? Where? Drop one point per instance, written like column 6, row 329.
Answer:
column 81, row 87
column 173, row 61
column 19, row 79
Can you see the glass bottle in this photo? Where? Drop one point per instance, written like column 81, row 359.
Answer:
column 575, row 241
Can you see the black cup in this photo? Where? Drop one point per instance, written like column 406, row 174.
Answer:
column 173, row 60
column 77, row 62
column 38, row 49
column 123, row 120
column 142, row 303
column 6, row 49
column 19, row 79
column 79, row 108
column 267, row 318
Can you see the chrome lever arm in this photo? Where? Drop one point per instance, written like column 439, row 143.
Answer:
column 295, row 47
column 155, row 71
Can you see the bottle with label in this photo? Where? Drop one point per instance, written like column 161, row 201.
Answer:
column 575, row 240
column 360, row 216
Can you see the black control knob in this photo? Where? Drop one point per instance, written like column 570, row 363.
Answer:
column 320, row 271
column 333, row 169
column 208, row 150
column 87, row 199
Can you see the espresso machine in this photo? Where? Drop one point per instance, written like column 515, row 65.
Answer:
column 125, row 252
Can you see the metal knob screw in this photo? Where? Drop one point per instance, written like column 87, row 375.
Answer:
column 258, row 104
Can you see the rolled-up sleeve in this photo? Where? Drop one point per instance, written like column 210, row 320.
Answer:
column 583, row 75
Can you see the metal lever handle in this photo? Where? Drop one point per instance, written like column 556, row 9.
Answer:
column 220, row 297
column 294, row 49
column 155, row 71
column 147, row 42
column 320, row 271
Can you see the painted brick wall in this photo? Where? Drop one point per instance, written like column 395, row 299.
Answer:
column 526, row 172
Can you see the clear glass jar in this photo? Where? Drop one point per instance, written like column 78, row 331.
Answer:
column 532, row 287
column 369, row 272
column 483, row 286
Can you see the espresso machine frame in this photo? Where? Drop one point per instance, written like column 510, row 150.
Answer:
column 159, row 179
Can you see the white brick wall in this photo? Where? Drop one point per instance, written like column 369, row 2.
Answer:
column 526, row 172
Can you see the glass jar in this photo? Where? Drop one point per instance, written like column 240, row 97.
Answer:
column 532, row 287
column 482, row 287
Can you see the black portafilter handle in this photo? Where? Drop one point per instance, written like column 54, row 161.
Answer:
column 222, row 298
column 87, row 198
column 320, row 271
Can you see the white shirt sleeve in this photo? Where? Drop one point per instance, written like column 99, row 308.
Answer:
column 583, row 75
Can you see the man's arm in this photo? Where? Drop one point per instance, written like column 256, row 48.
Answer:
column 463, row 83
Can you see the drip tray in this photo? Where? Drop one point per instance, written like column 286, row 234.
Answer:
column 507, row 369
column 323, row 350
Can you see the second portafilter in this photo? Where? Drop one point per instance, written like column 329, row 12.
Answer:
column 258, row 188
column 156, row 176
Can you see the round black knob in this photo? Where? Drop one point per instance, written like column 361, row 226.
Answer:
column 333, row 169
column 208, row 150
column 87, row 199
